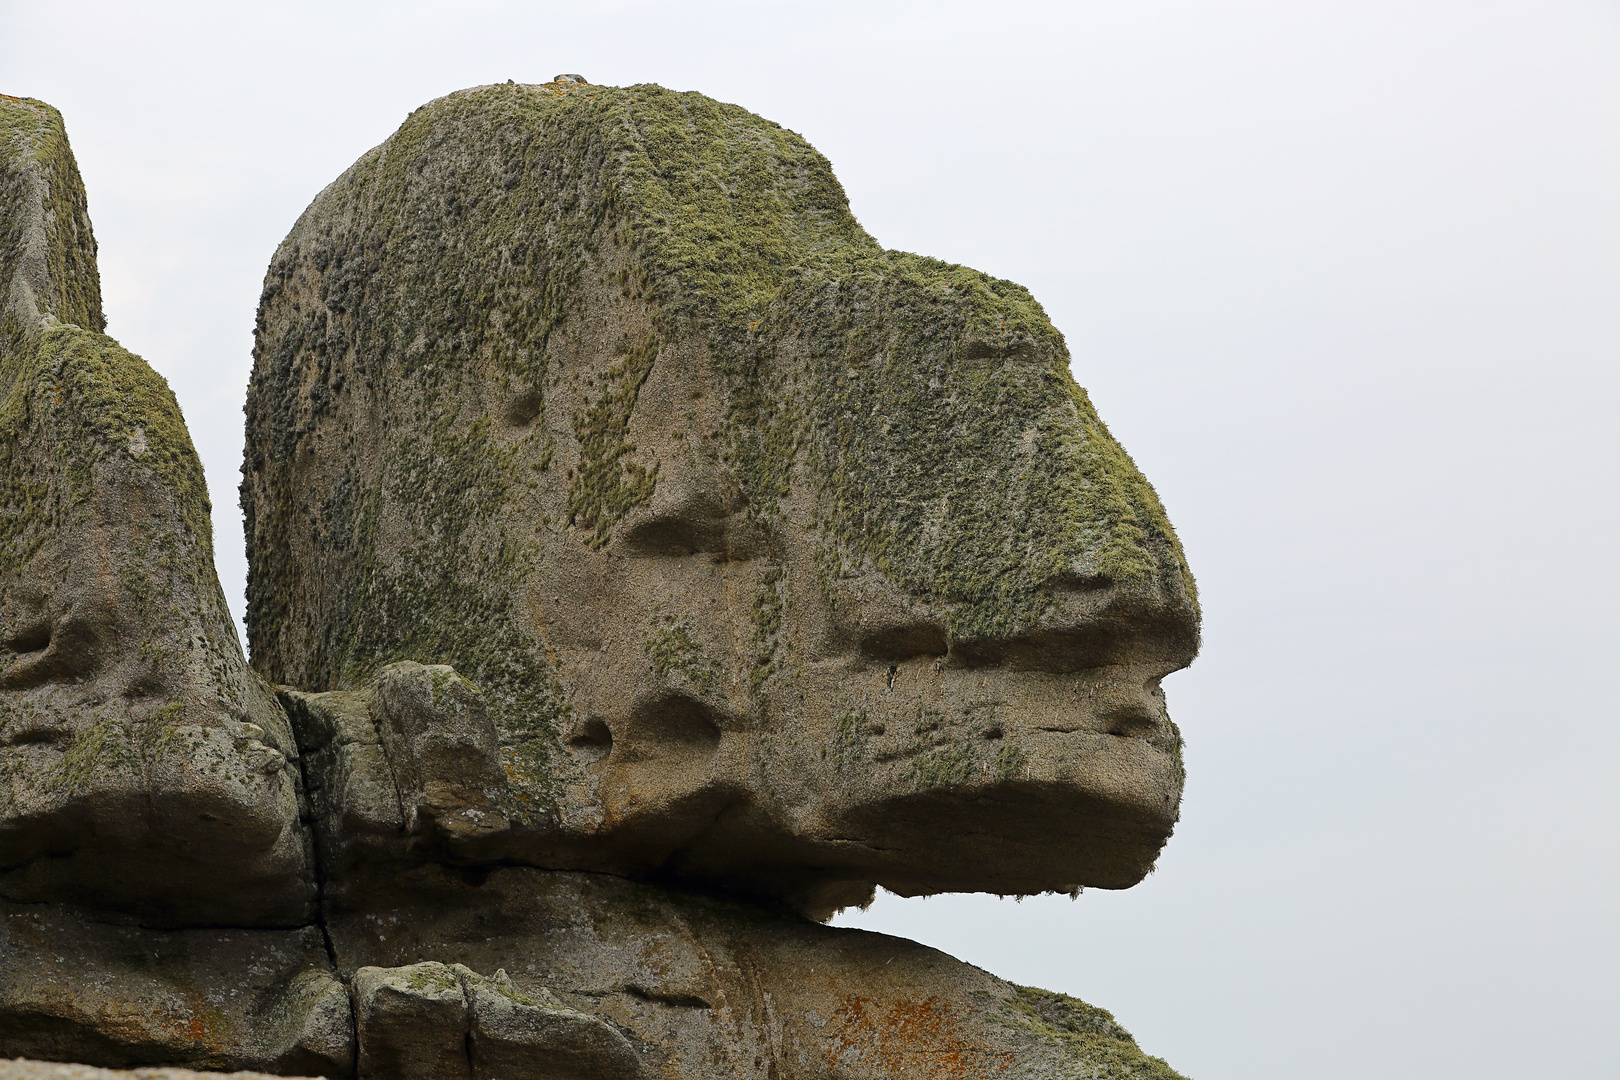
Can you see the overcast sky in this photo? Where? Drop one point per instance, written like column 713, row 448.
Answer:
column 1342, row 275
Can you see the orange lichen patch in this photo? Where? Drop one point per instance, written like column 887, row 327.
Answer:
column 908, row 1039
column 185, row 1024
column 192, row 1021
column 117, row 1021
column 180, row 1022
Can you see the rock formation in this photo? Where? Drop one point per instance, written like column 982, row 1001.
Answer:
column 647, row 564
column 144, row 767
column 782, row 563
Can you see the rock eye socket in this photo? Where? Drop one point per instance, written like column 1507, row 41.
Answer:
column 675, row 720
column 672, row 535
column 727, row 537
column 593, row 739
column 525, row 407
column 898, row 642
column 30, row 639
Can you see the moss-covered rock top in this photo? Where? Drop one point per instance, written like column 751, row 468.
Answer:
column 930, row 405
column 47, row 251
column 104, row 408
column 1079, row 1041
column 102, row 400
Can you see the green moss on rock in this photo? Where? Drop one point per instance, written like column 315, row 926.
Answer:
column 40, row 189
column 605, row 487
column 951, row 446
column 1091, row 1042
column 946, row 766
column 674, row 651
column 73, row 401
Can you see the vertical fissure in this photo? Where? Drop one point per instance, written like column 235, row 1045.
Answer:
column 317, row 865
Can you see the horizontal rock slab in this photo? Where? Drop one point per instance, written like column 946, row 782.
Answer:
column 73, row 989
column 699, row 987
column 23, row 1069
column 477, row 975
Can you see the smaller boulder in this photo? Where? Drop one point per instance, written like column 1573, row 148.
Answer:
column 519, row 1034
column 444, row 751
column 430, row 1021
column 411, row 1023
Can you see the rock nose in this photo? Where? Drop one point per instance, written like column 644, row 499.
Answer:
column 1093, row 623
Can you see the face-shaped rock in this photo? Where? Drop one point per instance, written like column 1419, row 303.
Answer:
column 773, row 559
column 143, row 767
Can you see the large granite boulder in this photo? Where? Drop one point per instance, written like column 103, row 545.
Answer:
column 646, row 560
column 781, row 563
column 144, row 768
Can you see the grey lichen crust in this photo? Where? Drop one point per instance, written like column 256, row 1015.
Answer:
column 139, row 756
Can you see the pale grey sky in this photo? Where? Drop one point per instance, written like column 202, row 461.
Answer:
column 1342, row 275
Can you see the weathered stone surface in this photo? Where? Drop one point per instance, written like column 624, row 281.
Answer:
column 23, row 1069
column 703, row 987
column 143, row 766
column 648, row 559
column 75, row 989
column 783, row 564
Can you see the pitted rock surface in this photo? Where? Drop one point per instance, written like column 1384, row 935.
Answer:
column 647, row 564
